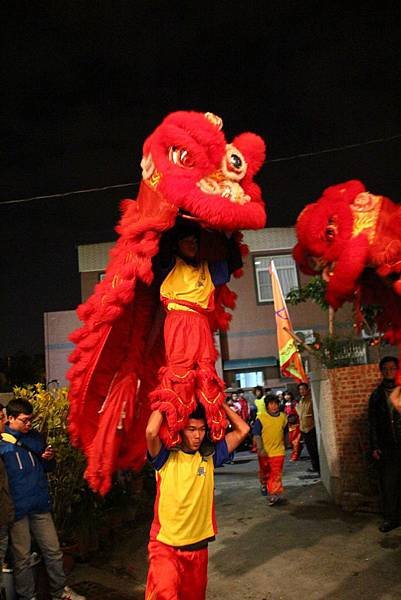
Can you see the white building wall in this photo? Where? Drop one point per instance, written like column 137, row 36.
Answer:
column 58, row 326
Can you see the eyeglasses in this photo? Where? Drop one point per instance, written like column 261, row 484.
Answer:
column 24, row 421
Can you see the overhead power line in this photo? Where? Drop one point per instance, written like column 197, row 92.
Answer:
column 136, row 183
column 73, row 193
column 337, row 149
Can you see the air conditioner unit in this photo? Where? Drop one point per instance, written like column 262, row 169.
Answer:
column 368, row 334
column 306, row 335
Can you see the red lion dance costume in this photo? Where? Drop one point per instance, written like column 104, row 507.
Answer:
column 353, row 238
column 119, row 363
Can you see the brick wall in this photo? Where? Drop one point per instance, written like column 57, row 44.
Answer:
column 343, row 395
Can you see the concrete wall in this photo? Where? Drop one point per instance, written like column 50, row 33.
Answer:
column 58, row 325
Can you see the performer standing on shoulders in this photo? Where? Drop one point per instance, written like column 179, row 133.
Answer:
column 188, row 295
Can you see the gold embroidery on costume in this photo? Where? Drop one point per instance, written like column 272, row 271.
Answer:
column 365, row 210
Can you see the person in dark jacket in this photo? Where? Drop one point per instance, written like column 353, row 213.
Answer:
column 6, row 509
column 385, row 443
column 307, row 426
column 27, row 462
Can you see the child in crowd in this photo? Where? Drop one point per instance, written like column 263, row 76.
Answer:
column 244, row 414
column 294, row 431
column 233, row 403
column 269, row 436
column 259, row 400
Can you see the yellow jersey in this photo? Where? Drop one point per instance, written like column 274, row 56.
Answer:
column 188, row 287
column 184, row 506
column 271, row 429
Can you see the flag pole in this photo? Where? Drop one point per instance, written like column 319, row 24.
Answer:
column 289, row 356
column 298, row 339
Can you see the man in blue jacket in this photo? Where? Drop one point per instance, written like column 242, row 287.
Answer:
column 27, row 461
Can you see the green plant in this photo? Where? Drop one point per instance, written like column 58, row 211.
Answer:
column 79, row 514
column 314, row 290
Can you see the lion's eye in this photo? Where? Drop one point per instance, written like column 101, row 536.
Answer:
column 235, row 161
column 234, row 164
column 331, row 231
column 180, row 157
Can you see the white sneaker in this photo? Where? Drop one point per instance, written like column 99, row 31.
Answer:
column 68, row 594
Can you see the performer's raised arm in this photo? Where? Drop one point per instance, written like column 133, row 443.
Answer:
column 239, row 431
column 152, row 433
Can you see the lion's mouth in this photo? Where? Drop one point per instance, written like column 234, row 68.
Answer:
column 218, row 185
column 187, row 215
column 320, row 265
column 328, row 272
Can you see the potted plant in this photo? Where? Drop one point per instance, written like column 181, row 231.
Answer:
column 80, row 515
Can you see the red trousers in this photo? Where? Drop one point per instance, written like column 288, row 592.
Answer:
column 189, row 376
column 189, row 340
column 176, row 574
column 294, row 437
column 271, row 472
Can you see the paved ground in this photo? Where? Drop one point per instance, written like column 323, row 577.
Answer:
column 305, row 549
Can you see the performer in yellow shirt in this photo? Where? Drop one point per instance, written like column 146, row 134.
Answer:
column 268, row 432
column 184, row 520
column 187, row 294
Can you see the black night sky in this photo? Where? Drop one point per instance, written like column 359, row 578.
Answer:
column 83, row 83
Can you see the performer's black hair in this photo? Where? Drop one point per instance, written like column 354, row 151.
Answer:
column 271, row 398
column 198, row 413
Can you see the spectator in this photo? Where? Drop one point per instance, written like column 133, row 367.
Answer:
column 307, row 426
column 385, row 442
column 280, row 398
column 234, row 403
column 269, row 436
column 244, row 405
column 6, row 508
column 184, row 521
column 259, row 401
column 27, row 461
column 294, row 432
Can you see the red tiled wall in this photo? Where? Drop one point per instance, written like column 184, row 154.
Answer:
column 349, row 390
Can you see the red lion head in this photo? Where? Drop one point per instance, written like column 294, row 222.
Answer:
column 189, row 163
column 189, row 171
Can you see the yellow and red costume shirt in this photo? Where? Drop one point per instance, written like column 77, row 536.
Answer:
column 184, row 507
column 271, row 429
column 191, row 286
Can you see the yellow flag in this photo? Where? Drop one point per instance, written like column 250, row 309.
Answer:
column 290, row 358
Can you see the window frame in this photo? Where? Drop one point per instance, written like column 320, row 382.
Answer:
column 271, row 254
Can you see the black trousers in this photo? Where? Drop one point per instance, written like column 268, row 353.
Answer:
column 311, row 446
column 390, row 484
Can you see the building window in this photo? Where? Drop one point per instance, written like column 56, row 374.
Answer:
column 286, row 271
column 249, row 379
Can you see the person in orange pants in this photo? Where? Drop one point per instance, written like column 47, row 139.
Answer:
column 269, row 437
column 173, row 571
column 184, row 520
column 294, row 431
column 189, row 376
